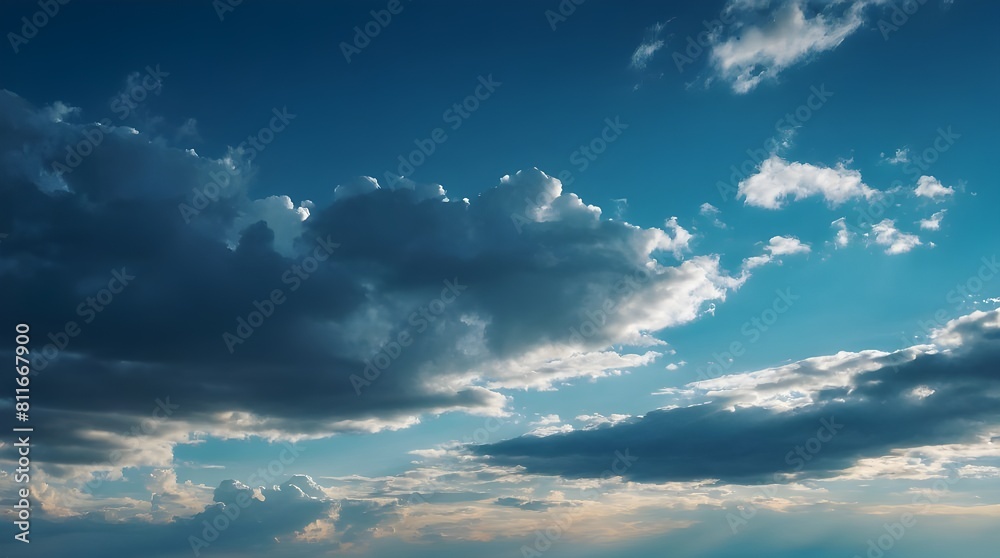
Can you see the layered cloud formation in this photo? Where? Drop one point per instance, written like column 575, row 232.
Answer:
column 813, row 418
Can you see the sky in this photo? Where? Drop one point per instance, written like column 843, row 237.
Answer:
column 535, row 278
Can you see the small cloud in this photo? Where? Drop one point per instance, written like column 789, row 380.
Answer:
column 843, row 237
column 896, row 242
column 710, row 211
column 777, row 246
column 930, row 187
column 934, row 222
column 902, row 156
column 648, row 48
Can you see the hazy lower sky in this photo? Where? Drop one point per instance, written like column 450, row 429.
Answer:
column 561, row 278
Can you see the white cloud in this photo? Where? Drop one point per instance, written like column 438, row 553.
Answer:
column 843, row 237
column 645, row 51
column 934, row 222
column 710, row 211
column 777, row 180
column 897, row 242
column 777, row 246
column 930, row 187
column 902, row 156
column 281, row 215
column 785, row 36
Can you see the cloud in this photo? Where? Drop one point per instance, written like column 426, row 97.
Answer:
column 751, row 427
column 777, row 180
column 843, row 237
column 902, row 156
column 933, row 223
column 532, row 281
column 930, row 187
column 762, row 45
column 645, row 51
column 896, row 242
column 776, row 247
column 710, row 211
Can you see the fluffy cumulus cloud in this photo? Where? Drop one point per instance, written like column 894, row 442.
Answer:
column 886, row 234
column 378, row 326
column 769, row 37
column 816, row 418
column 777, row 180
column 931, row 188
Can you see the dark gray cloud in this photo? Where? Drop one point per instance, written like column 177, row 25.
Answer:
column 748, row 431
column 517, row 278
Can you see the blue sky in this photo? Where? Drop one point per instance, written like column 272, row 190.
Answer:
column 767, row 213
